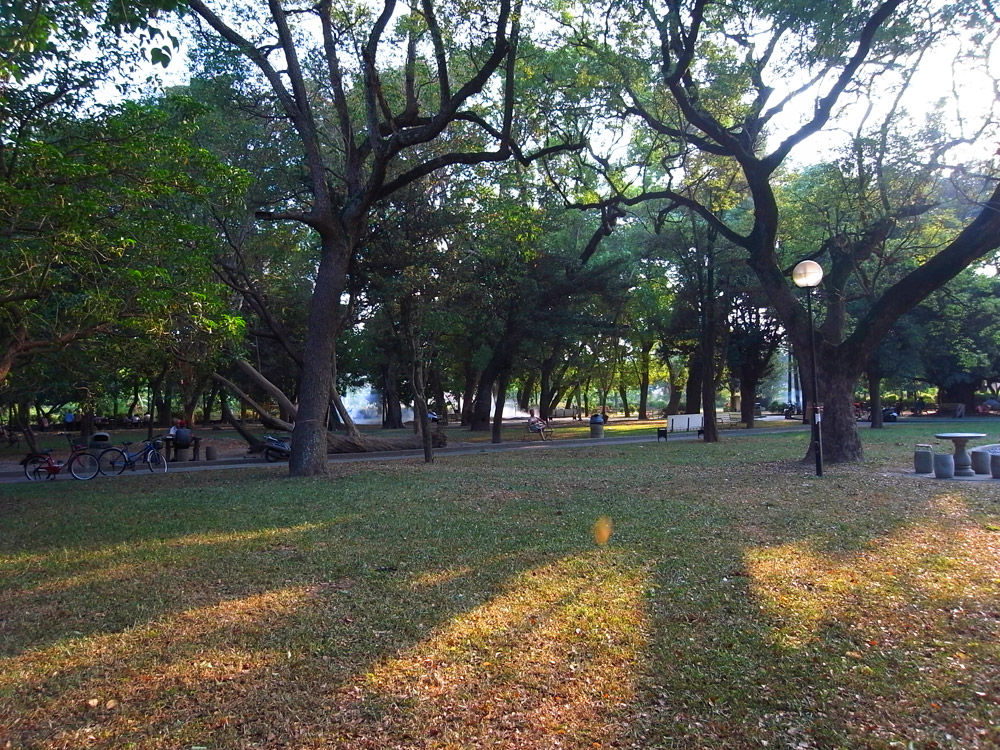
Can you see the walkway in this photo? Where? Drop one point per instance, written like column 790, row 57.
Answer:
column 459, row 449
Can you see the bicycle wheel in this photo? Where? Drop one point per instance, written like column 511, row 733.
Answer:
column 84, row 466
column 34, row 468
column 112, row 462
column 155, row 461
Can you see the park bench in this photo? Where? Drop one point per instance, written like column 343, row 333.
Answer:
column 723, row 421
column 528, row 431
column 728, row 419
column 948, row 410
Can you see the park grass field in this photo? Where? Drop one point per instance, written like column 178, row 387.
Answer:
column 740, row 602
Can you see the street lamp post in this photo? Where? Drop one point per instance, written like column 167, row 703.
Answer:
column 808, row 274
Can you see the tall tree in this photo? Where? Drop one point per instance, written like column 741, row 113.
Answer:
column 722, row 79
column 368, row 129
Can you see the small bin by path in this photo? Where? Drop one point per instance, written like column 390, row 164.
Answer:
column 597, row 426
column 923, row 459
column 980, row 461
column 211, row 453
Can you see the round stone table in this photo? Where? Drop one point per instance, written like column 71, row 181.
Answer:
column 963, row 462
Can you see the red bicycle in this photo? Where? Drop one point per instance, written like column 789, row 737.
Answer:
column 82, row 465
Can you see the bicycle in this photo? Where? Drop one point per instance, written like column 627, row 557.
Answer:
column 81, row 464
column 113, row 461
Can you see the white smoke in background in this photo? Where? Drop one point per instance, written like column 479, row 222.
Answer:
column 365, row 407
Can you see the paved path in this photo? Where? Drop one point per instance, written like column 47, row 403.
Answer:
column 459, row 449
column 464, row 449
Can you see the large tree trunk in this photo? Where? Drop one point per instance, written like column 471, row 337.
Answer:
column 526, row 391
column 692, row 403
column 437, row 388
column 710, row 428
column 644, row 362
column 309, row 439
column 469, row 392
column 748, row 396
column 839, row 428
column 551, row 378
column 623, row 395
column 499, row 364
column 392, row 413
column 875, row 398
column 483, row 400
column 502, row 381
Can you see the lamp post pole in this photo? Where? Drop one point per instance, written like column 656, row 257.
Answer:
column 809, row 274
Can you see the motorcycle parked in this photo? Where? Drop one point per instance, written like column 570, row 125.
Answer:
column 276, row 449
column 791, row 411
column 889, row 414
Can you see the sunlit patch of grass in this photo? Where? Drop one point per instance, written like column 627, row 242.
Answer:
column 910, row 617
column 739, row 602
column 110, row 689
column 554, row 656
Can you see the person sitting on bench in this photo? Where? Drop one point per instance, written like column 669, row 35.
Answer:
column 536, row 424
column 182, row 434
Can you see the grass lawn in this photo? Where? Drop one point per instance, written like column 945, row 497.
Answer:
column 740, row 602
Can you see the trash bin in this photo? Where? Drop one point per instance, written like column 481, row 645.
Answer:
column 597, row 426
column 98, row 442
column 211, row 453
column 923, row 458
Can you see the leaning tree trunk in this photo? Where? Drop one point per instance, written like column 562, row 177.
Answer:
column 337, row 403
column 22, row 412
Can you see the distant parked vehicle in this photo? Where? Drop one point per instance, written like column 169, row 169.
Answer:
column 276, row 449
column 889, row 414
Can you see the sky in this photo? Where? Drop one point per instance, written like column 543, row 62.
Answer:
column 968, row 93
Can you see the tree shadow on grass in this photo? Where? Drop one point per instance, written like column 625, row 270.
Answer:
column 821, row 641
column 318, row 632
column 724, row 613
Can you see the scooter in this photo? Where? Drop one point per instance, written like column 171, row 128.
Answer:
column 889, row 414
column 276, row 449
